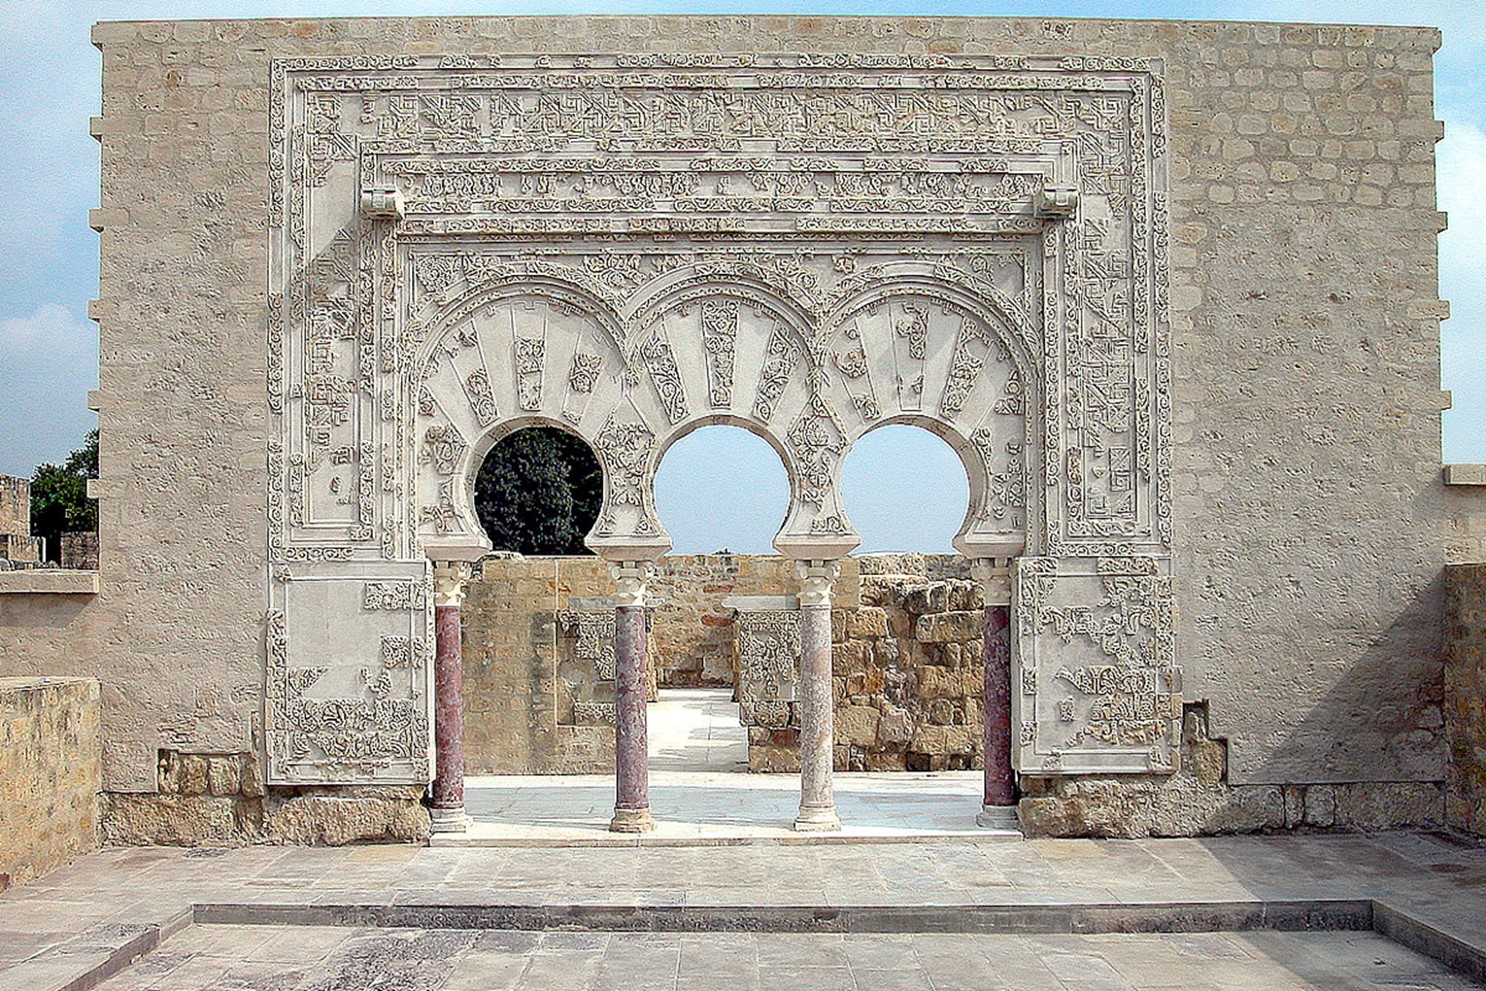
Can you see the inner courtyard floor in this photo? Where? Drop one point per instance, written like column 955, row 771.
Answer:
column 701, row 791
column 1037, row 914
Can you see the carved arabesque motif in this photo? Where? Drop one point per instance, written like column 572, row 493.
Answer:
column 1100, row 643
column 768, row 651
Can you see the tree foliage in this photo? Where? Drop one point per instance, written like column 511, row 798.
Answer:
column 539, row 492
column 59, row 496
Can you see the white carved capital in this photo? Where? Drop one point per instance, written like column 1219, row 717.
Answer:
column 816, row 579
column 994, row 575
column 449, row 578
column 630, row 581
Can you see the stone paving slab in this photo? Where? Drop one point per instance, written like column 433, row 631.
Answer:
column 1429, row 889
column 217, row 958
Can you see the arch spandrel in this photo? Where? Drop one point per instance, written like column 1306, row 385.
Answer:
column 916, row 349
column 504, row 358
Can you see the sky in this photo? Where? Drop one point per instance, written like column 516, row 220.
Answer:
column 49, row 87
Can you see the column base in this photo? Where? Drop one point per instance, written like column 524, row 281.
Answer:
column 818, row 821
column 631, row 821
column 998, row 817
column 450, row 820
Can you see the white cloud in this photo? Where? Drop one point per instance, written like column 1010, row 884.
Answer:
column 50, row 361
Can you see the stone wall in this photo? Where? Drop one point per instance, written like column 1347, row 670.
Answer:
column 219, row 799
column 1311, row 525
column 1465, row 696
column 49, row 774
column 80, row 550
column 1201, row 798
column 17, row 546
column 15, row 505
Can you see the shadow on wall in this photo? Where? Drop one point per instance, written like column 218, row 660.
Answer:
column 1369, row 754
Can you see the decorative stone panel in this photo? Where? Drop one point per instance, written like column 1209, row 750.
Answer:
column 1095, row 685
column 768, row 646
column 349, row 681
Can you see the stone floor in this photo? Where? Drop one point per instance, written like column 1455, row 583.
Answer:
column 218, row 958
column 696, row 729
column 925, row 902
column 700, row 792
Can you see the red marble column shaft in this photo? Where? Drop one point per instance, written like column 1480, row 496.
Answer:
column 448, row 701
column 1000, row 782
column 631, row 742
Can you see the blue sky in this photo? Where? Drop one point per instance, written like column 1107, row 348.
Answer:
column 49, row 267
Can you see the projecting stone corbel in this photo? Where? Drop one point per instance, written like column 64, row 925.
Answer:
column 1056, row 202
column 382, row 203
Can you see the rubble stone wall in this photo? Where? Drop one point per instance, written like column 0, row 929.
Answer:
column 80, row 550
column 1465, row 696
column 15, row 505
column 49, row 774
column 219, row 799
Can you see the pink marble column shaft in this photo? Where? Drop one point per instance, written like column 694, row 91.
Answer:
column 448, row 718
column 631, row 739
column 1000, row 783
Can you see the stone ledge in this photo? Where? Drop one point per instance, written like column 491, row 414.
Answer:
column 1465, row 474
column 48, row 581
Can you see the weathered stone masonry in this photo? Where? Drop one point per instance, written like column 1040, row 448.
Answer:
column 1239, row 416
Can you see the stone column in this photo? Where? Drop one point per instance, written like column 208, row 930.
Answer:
column 631, row 743
column 447, row 791
column 998, row 807
column 817, row 698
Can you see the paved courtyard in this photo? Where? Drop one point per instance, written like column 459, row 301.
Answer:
column 1031, row 915
column 317, row 958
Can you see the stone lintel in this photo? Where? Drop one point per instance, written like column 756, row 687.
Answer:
column 48, row 581
column 761, row 603
column 1465, row 474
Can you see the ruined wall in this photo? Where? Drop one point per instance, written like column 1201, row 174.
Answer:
column 220, row 800
column 534, row 704
column 1310, row 520
column 49, row 774
column 1465, row 696
column 15, row 505
column 80, row 550
column 1466, row 540
column 16, row 543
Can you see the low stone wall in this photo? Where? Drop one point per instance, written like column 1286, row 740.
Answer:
column 50, row 774
column 1465, row 696
column 219, row 800
column 1199, row 800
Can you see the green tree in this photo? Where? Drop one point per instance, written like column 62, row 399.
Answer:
column 539, row 492
column 59, row 497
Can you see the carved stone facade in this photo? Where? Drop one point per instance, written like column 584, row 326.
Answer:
column 632, row 246
column 1167, row 288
